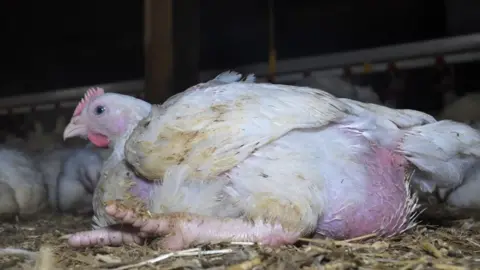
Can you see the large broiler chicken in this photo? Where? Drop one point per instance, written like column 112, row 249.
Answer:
column 267, row 163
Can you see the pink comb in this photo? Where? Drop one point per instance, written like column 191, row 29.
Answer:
column 91, row 92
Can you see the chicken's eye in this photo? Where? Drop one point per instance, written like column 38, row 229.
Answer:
column 99, row 110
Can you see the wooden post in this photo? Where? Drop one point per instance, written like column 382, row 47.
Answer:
column 158, row 31
column 172, row 35
column 186, row 50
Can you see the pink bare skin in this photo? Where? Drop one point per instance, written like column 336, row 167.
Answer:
column 182, row 230
column 386, row 205
column 109, row 236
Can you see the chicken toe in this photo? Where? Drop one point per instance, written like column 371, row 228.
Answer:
column 108, row 236
column 181, row 230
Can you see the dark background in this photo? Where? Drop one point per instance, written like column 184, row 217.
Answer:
column 56, row 44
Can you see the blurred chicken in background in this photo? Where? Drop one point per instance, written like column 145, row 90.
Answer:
column 461, row 199
column 22, row 190
column 341, row 88
column 48, row 171
column 71, row 175
column 464, row 109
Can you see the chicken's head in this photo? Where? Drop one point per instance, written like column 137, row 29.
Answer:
column 104, row 118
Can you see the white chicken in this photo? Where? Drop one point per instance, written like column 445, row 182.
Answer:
column 15, row 142
column 22, row 191
column 465, row 195
column 465, row 109
column 71, row 175
column 341, row 88
column 261, row 162
column 38, row 140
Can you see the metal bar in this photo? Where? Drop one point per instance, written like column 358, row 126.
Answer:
column 380, row 54
column 136, row 87
column 127, row 87
column 382, row 67
column 292, row 70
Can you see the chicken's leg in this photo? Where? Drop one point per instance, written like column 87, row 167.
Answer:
column 184, row 229
column 106, row 236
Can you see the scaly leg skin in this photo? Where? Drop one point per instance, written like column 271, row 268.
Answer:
column 182, row 230
column 108, row 236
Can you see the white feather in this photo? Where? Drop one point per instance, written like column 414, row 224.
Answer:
column 466, row 194
column 71, row 176
column 237, row 119
column 251, row 129
column 341, row 88
column 19, row 172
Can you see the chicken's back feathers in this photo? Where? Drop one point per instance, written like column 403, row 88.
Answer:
column 215, row 128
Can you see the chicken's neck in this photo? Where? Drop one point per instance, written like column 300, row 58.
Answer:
column 118, row 144
column 119, row 148
column 118, row 153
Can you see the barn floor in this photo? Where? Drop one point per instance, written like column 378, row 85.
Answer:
column 454, row 246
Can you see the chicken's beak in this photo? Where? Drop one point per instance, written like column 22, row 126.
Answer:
column 74, row 129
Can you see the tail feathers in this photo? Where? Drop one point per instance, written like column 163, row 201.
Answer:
column 250, row 78
column 466, row 195
column 401, row 118
column 231, row 76
column 444, row 150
